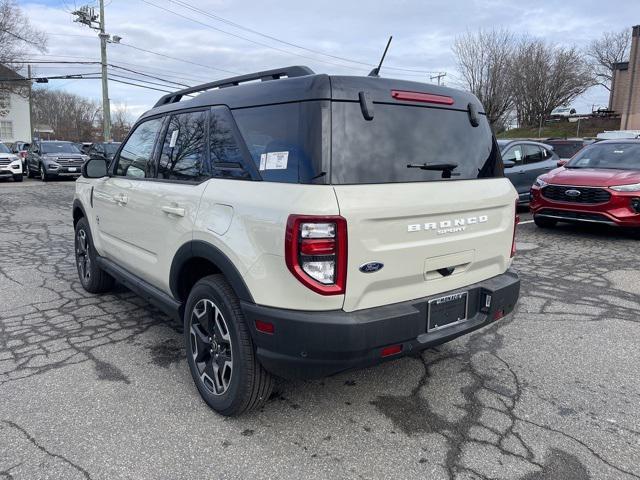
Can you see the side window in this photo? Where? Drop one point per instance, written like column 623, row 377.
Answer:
column 224, row 150
column 514, row 154
column 286, row 141
column 135, row 158
column 183, row 151
column 532, row 153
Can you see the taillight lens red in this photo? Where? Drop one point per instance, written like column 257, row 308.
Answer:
column 515, row 225
column 421, row 97
column 316, row 252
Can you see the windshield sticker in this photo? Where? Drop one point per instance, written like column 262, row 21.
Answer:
column 174, row 138
column 518, row 155
column 263, row 161
column 276, row 160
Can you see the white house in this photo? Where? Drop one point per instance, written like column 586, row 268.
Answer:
column 15, row 122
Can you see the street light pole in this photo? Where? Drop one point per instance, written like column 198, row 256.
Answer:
column 106, row 110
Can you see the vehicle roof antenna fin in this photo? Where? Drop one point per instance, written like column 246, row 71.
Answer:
column 376, row 71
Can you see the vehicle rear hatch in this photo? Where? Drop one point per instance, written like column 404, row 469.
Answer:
column 432, row 234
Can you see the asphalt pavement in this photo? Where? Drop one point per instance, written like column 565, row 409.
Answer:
column 96, row 387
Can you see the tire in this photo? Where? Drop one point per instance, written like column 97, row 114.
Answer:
column 543, row 222
column 92, row 277
column 225, row 369
column 43, row 173
column 17, row 178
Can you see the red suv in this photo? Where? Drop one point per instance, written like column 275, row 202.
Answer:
column 600, row 184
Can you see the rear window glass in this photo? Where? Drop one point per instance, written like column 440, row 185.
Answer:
column 566, row 150
column 286, row 141
column 379, row 150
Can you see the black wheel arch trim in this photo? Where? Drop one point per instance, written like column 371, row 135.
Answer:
column 202, row 249
column 77, row 205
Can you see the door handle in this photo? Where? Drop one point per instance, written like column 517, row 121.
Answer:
column 173, row 210
column 521, row 172
column 120, row 199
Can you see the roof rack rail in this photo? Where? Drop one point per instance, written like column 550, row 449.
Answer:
column 275, row 74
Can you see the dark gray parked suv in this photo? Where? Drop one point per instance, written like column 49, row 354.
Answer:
column 51, row 159
column 524, row 161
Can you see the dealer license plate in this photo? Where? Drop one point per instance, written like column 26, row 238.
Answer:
column 446, row 311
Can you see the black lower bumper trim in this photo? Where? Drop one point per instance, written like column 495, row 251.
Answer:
column 311, row 344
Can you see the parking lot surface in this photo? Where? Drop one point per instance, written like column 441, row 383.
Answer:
column 96, row 387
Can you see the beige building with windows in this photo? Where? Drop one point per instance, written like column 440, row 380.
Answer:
column 15, row 123
column 625, row 87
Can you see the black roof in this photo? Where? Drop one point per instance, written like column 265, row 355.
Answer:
column 300, row 84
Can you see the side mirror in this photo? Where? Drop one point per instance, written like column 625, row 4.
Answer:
column 562, row 162
column 95, row 168
column 508, row 163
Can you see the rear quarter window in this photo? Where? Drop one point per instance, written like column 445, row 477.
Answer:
column 286, row 141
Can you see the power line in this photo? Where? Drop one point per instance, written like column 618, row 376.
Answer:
column 141, row 86
column 245, row 38
column 178, row 59
column 285, row 42
column 139, row 80
column 110, row 65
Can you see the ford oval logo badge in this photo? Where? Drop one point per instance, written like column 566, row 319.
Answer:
column 371, row 267
column 572, row 193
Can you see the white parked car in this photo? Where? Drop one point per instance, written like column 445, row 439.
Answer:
column 562, row 112
column 10, row 164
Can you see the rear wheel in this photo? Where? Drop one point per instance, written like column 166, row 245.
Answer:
column 543, row 222
column 220, row 351
column 92, row 277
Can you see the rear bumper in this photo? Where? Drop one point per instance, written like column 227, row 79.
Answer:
column 618, row 211
column 309, row 344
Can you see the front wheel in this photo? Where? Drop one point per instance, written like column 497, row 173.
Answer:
column 544, row 222
column 43, row 173
column 220, row 351
column 92, row 277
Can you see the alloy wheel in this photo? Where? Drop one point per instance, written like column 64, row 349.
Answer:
column 211, row 346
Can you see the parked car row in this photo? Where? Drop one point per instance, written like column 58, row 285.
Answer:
column 49, row 159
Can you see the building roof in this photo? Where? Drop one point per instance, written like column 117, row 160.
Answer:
column 7, row 73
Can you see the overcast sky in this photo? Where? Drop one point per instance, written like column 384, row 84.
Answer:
column 423, row 32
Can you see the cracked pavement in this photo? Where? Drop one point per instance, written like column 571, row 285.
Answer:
column 96, row 387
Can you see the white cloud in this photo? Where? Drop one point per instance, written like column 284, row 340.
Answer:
column 423, row 33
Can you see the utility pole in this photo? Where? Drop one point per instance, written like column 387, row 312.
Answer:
column 438, row 76
column 31, row 126
column 86, row 15
column 106, row 109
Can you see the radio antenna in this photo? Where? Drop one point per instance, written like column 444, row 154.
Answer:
column 376, row 71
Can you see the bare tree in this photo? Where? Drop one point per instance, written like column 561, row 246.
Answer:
column 120, row 122
column 484, row 60
column 543, row 77
column 71, row 116
column 17, row 38
column 604, row 52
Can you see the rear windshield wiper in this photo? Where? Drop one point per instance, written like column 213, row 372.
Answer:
column 445, row 168
column 433, row 166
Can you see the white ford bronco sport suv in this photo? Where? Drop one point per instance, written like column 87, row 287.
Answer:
column 302, row 224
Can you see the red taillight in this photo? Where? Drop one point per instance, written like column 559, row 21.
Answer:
column 515, row 225
column 316, row 252
column 421, row 97
column 391, row 350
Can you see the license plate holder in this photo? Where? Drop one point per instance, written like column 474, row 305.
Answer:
column 71, row 169
column 446, row 311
